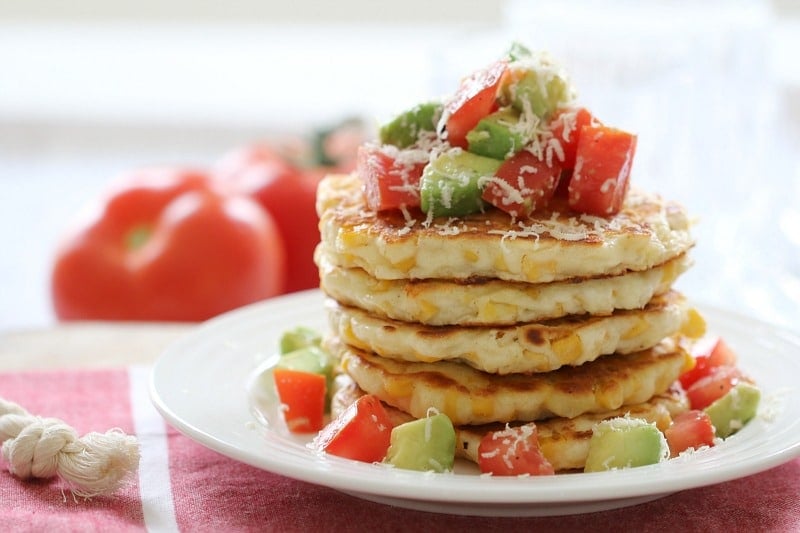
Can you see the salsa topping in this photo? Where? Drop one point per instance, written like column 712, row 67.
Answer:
column 510, row 137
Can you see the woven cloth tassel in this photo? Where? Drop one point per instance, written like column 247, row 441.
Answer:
column 92, row 465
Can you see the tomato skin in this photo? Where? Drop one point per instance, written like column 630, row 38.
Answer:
column 566, row 129
column 164, row 244
column 692, row 429
column 388, row 183
column 513, row 451
column 722, row 354
column 712, row 387
column 288, row 194
column 701, row 369
column 603, row 163
column 302, row 395
column 362, row 432
column 474, row 99
column 708, row 353
column 528, row 184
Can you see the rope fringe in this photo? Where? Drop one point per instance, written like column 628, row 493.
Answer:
column 92, row 465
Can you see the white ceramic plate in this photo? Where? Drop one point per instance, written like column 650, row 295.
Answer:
column 200, row 385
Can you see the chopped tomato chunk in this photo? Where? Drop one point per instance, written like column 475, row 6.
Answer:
column 712, row 387
column 700, row 370
column 523, row 184
column 709, row 353
column 302, row 396
column 566, row 129
column 362, row 432
column 391, row 177
column 474, row 99
column 602, row 170
column 722, row 354
column 692, row 429
column 513, row 451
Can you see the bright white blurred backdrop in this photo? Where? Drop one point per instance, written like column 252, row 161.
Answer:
column 90, row 89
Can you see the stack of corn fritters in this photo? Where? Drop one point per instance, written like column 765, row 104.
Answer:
column 562, row 319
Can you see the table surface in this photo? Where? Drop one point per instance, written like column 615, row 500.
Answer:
column 86, row 345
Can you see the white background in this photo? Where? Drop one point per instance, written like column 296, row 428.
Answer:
column 90, row 89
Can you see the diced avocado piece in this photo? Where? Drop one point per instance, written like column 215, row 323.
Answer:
column 311, row 359
column 299, row 337
column 452, row 184
column 427, row 444
column 624, row 443
column 404, row 130
column 729, row 413
column 497, row 136
column 541, row 90
column 517, row 51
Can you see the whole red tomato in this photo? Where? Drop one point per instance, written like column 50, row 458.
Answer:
column 288, row 193
column 166, row 244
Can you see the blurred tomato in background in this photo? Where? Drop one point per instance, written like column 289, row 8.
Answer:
column 283, row 178
column 186, row 244
column 286, row 192
column 167, row 244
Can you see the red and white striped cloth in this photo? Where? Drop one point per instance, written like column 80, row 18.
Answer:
column 182, row 486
